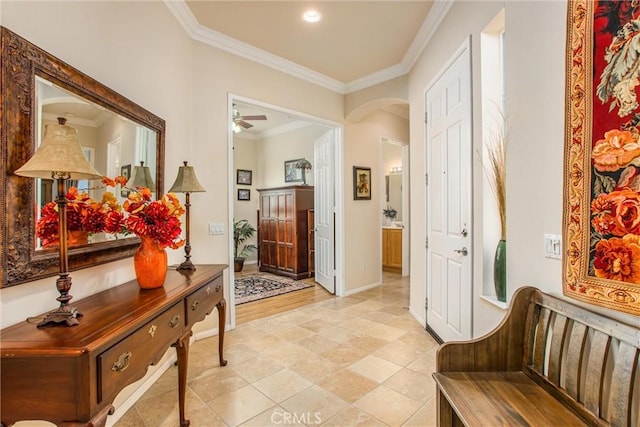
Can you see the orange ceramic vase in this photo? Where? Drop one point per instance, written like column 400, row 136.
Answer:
column 150, row 262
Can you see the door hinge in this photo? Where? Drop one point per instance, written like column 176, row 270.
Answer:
column 426, row 303
column 426, row 179
column 426, row 117
column 426, row 242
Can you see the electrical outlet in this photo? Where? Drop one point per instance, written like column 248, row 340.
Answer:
column 553, row 246
column 216, row 228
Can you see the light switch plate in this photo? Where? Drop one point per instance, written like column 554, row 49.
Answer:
column 216, row 228
column 553, row 246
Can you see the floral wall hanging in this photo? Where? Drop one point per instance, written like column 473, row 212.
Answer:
column 601, row 215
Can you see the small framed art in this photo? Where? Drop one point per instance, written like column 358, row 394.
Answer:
column 244, row 194
column 126, row 172
column 291, row 173
column 243, row 177
column 361, row 183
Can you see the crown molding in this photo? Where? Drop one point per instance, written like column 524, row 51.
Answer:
column 213, row 38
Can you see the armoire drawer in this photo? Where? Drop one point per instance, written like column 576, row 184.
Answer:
column 128, row 360
column 201, row 302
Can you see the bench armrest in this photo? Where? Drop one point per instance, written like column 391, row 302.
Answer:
column 499, row 350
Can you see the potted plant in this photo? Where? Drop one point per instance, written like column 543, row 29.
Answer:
column 242, row 231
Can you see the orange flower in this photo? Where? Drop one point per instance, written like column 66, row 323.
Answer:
column 616, row 213
column 618, row 259
column 615, row 151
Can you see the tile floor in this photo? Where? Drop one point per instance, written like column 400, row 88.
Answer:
column 360, row 360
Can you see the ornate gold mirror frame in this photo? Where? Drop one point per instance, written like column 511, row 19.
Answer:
column 22, row 62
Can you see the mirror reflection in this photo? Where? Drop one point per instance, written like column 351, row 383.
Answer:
column 113, row 144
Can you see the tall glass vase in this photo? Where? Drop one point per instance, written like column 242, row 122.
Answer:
column 150, row 262
column 500, row 271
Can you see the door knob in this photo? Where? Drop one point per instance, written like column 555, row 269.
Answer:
column 462, row 251
column 464, row 232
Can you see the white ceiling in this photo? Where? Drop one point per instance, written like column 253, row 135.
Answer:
column 355, row 45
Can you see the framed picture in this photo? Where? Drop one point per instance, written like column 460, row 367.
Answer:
column 244, row 194
column 126, row 172
column 601, row 225
column 361, row 183
column 291, row 173
column 243, row 177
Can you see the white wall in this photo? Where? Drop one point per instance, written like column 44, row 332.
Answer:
column 535, row 88
column 245, row 157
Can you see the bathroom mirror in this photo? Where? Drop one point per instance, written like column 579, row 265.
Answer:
column 116, row 134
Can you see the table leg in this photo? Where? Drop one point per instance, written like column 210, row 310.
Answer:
column 222, row 319
column 182, row 351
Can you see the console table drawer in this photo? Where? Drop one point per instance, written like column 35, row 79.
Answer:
column 128, row 360
column 201, row 302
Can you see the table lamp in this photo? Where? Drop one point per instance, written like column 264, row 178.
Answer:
column 60, row 157
column 186, row 182
column 305, row 165
column 141, row 177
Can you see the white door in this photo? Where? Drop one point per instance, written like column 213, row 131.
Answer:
column 448, row 141
column 324, row 207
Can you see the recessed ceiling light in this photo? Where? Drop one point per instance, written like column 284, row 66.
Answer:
column 312, row 16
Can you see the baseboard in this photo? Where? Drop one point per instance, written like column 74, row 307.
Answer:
column 434, row 334
column 362, row 288
column 419, row 318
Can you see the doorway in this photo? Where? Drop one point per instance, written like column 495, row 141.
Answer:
column 395, row 227
column 284, row 127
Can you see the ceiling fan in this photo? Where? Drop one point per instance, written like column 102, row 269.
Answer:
column 240, row 120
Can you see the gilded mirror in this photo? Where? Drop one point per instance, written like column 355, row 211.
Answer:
column 36, row 89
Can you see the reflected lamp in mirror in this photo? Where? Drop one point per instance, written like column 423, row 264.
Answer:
column 141, row 178
column 186, row 182
column 305, row 165
column 60, row 157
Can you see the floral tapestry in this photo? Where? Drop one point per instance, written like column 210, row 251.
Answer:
column 602, row 154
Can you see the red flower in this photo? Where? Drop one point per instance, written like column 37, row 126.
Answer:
column 156, row 219
column 616, row 213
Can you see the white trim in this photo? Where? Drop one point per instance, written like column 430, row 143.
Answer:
column 362, row 288
column 491, row 299
column 436, row 14
column 421, row 320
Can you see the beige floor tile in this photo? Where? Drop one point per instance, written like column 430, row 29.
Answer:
column 255, row 369
column 399, row 353
column 344, row 354
column 425, row 364
column 417, row 386
column 367, row 343
column 375, row 368
column 294, row 333
column 396, row 310
column 314, row 402
column 162, row 410
column 338, row 333
column 352, row 417
column 380, row 317
column 131, row 418
column 420, row 340
column 348, row 385
column 388, row 406
column 318, row 344
column 295, row 317
column 316, row 368
column 426, row 416
column 241, row 405
column 289, row 354
column 282, row 385
column 375, row 329
column 213, row 386
column 263, row 342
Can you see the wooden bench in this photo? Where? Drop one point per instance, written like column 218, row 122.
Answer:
column 549, row 363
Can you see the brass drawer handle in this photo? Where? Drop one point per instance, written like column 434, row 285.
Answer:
column 194, row 305
column 122, row 363
column 208, row 290
column 152, row 330
column 218, row 286
column 174, row 321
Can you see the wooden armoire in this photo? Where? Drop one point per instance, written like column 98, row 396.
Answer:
column 283, row 230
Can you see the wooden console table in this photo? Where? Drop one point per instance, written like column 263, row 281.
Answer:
column 70, row 375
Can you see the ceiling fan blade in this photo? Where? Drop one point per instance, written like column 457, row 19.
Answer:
column 244, row 124
column 261, row 117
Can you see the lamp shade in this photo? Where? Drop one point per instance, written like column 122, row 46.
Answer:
column 186, row 181
column 303, row 164
column 59, row 155
column 141, row 177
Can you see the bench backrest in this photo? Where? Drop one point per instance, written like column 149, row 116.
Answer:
column 588, row 361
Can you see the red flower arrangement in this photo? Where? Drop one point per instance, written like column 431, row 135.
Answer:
column 157, row 219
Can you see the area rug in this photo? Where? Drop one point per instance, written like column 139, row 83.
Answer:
column 264, row 285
